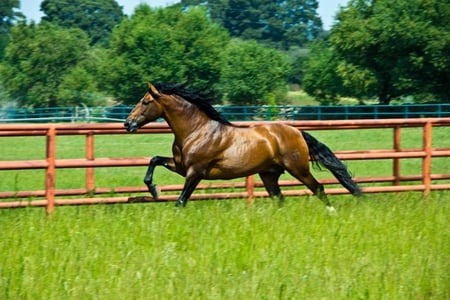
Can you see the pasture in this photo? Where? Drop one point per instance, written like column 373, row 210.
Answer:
column 385, row 246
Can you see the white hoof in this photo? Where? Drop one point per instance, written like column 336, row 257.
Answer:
column 331, row 210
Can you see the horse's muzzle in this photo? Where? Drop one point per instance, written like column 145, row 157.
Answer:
column 131, row 126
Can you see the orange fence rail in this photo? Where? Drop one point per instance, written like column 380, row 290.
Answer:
column 50, row 196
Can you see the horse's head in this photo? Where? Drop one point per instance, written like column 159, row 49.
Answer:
column 146, row 110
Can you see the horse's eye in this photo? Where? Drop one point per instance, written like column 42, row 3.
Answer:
column 145, row 103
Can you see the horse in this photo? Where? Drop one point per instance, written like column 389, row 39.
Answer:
column 207, row 146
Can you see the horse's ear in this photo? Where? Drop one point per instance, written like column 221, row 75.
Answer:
column 153, row 91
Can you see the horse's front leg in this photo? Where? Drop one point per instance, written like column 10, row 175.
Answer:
column 167, row 162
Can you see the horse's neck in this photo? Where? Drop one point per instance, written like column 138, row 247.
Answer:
column 184, row 118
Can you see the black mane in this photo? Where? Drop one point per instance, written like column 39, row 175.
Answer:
column 201, row 99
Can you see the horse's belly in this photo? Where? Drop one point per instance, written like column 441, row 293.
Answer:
column 226, row 174
column 234, row 168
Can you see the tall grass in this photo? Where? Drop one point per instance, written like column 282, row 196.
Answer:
column 383, row 247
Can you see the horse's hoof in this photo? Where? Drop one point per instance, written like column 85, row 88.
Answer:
column 154, row 191
column 331, row 210
column 180, row 203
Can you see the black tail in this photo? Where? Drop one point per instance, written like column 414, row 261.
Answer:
column 321, row 154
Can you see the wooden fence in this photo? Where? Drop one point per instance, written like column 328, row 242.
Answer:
column 90, row 194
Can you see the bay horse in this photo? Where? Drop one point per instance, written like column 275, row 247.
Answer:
column 207, row 146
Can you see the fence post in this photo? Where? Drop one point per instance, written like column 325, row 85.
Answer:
column 250, row 186
column 50, row 172
column 426, row 163
column 90, row 185
column 397, row 148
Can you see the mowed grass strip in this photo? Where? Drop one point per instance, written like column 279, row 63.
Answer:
column 385, row 246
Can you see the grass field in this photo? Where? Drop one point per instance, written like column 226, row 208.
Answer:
column 385, row 246
column 393, row 246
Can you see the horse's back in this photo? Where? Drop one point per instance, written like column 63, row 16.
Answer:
column 285, row 142
column 287, row 137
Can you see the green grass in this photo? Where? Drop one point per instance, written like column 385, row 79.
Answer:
column 300, row 98
column 394, row 246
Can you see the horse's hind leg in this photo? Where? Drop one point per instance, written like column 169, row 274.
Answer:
column 306, row 177
column 270, row 180
column 317, row 189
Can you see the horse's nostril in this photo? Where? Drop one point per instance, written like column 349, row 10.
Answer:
column 131, row 126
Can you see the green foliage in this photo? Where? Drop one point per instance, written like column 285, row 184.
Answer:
column 8, row 15
column 43, row 65
column 96, row 18
column 296, row 58
column 321, row 79
column 4, row 97
column 281, row 24
column 357, row 81
column 377, row 49
column 81, row 87
column 390, row 49
column 251, row 72
column 165, row 45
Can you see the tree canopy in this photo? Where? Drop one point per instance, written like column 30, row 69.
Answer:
column 396, row 47
column 321, row 79
column 244, row 52
column 280, row 23
column 8, row 14
column 253, row 74
column 41, row 60
column 166, row 45
column 96, row 18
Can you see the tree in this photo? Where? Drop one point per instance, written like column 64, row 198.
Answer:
column 41, row 61
column 280, row 24
column 165, row 45
column 96, row 18
column 321, row 79
column 401, row 47
column 296, row 59
column 80, row 84
column 252, row 74
column 8, row 15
